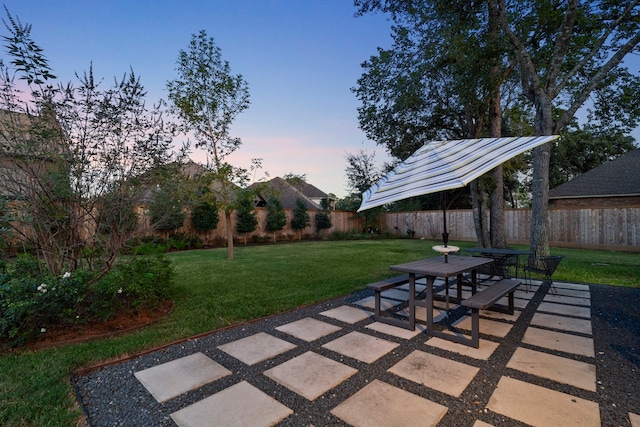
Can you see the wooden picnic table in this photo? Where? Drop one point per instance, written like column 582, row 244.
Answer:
column 433, row 268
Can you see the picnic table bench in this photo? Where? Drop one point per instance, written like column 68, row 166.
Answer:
column 383, row 285
column 487, row 298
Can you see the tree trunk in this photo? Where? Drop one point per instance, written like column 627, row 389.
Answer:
column 478, row 205
column 227, row 219
column 496, row 208
column 540, row 184
column 496, row 219
column 540, row 197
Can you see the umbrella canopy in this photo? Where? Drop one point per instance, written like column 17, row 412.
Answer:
column 444, row 165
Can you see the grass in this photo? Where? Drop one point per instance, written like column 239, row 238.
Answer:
column 212, row 292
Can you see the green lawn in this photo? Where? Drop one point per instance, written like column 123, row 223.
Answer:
column 212, row 292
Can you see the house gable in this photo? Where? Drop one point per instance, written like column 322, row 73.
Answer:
column 614, row 182
column 288, row 194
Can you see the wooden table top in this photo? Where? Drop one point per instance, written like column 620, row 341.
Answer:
column 437, row 267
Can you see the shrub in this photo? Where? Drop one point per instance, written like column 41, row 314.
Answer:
column 182, row 241
column 323, row 221
column 150, row 249
column 143, row 283
column 204, row 217
column 32, row 300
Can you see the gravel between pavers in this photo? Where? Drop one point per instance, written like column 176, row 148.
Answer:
column 112, row 396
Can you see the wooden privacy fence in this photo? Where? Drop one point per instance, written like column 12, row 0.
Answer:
column 594, row 228
column 341, row 221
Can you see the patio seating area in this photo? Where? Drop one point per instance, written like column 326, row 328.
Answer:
column 573, row 353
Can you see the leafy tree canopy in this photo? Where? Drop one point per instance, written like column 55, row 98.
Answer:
column 300, row 219
column 207, row 97
column 276, row 216
column 79, row 156
column 246, row 214
column 204, row 216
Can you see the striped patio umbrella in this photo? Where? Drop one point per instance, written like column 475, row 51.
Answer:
column 445, row 165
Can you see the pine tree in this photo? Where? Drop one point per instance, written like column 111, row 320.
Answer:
column 276, row 217
column 323, row 217
column 300, row 219
column 246, row 215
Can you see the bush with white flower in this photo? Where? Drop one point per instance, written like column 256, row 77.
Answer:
column 32, row 300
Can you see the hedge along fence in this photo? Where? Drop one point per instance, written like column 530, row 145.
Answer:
column 341, row 221
column 614, row 228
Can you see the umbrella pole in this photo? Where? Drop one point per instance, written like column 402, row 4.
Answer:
column 445, row 235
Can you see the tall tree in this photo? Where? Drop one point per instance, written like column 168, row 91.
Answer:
column 246, row 215
column 77, row 158
column 300, row 219
column 567, row 52
column 362, row 173
column 165, row 208
column 204, row 216
column 323, row 216
column 276, row 216
column 442, row 79
column 208, row 97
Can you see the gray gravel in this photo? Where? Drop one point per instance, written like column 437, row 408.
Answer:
column 112, row 396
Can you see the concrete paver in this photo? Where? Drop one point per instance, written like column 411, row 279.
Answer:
column 453, row 293
column 379, row 404
column 362, row 347
column 582, row 326
column 310, row 374
column 385, row 304
column 487, row 327
column 439, row 312
column 572, row 293
column 518, row 303
column 568, row 310
column 567, row 300
column 542, row 407
column 171, row 379
column 308, row 329
column 576, row 286
column 256, row 348
column 396, row 331
column 559, row 341
column 419, row 287
column 438, row 373
column 347, row 314
column 483, row 353
column 439, row 305
column 522, row 293
column 499, row 315
column 237, row 406
column 395, row 293
column 556, row 368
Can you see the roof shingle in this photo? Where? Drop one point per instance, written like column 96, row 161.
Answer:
column 618, row 177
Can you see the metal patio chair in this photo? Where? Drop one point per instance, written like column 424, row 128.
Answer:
column 543, row 266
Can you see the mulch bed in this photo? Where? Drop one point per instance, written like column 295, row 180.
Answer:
column 119, row 323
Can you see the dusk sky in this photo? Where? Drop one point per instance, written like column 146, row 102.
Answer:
column 299, row 57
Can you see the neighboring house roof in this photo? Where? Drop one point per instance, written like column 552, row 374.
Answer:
column 616, row 178
column 190, row 170
column 289, row 194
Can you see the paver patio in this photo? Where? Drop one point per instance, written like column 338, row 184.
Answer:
column 277, row 372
